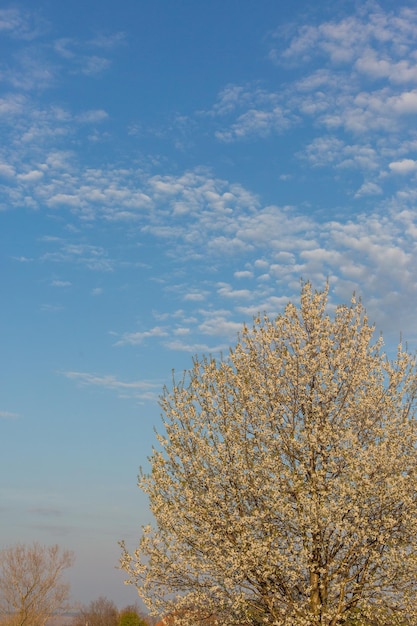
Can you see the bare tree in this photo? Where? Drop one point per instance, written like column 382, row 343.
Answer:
column 285, row 487
column 31, row 585
column 100, row 612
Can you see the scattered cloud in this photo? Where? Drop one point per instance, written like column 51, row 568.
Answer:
column 110, row 41
column 243, row 274
column 136, row 338
column 64, row 47
column 92, row 117
column 217, row 325
column 7, row 171
column 196, row 348
column 256, row 123
column 227, row 291
column 12, row 105
column 51, row 308
column 20, row 24
column 94, row 65
column 355, row 78
column 351, row 82
column 30, row 177
column 81, row 56
column 22, row 259
column 363, row 38
column 369, row 189
column 94, row 258
column 140, row 389
column 330, row 150
column 39, row 65
column 201, row 217
column 196, row 296
column 259, row 113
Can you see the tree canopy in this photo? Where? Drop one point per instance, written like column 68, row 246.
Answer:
column 130, row 616
column 284, row 488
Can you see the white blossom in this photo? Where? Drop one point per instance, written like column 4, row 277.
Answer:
column 284, row 491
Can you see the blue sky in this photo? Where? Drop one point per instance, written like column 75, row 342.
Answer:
column 168, row 168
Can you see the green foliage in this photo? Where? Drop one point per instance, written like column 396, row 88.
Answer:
column 130, row 617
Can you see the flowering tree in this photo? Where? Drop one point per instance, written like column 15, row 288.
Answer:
column 31, row 583
column 285, row 489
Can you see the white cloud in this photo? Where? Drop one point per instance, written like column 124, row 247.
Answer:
column 22, row 259
column 377, row 68
column 63, row 47
column 6, row 170
column 351, row 77
column 369, row 189
column 196, row 296
column 60, row 159
column 331, row 150
column 270, row 242
column 136, row 338
column 10, row 20
column 280, row 244
column 93, row 257
column 12, row 105
column 64, row 199
column 404, row 103
column 93, row 116
column 93, row 65
column 405, row 166
column 30, row 177
column 359, row 35
column 20, row 24
column 218, row 325
column 51, row 308
column 109, row 40
column 181, row 331
column 32, row 70
column 195, row 348
column 141, row 389
column 355, row 101
column 271, row 305
column 229, row 99
column 256, row 123
column 243, row 274
column 227, row 291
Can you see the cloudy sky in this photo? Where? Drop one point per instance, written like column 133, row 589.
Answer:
column 168, row 168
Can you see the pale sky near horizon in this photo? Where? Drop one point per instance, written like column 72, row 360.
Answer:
column 169, row 168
